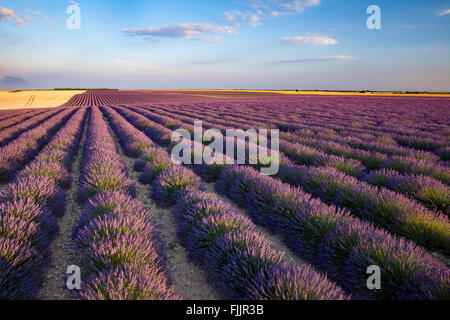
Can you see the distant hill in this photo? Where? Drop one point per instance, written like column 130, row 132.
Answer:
column 10, row 83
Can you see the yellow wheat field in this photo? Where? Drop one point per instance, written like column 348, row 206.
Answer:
column 21, row 99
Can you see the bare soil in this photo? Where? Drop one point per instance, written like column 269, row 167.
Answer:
column 63, row 250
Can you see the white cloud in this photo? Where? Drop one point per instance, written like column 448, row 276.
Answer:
column 267, row 9
column 230, row 17
column 320, row 59
column 300, row 5
column 40, row 14
column 191, row 31
column 8, row 14
column 29, row 19
column 444, row 12
column 313, row 39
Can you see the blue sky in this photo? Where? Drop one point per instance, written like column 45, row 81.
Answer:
column 255, row 44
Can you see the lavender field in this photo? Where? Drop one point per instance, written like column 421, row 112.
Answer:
column 362, row 181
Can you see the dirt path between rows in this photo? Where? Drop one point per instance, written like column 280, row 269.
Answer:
column 63, row 249
column 188, row 279
column 275, row 240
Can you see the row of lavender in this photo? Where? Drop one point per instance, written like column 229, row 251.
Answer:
column 417, row 164
column 331, row 239
column 17, row 117
column 381, row 144
column 353, row 161
column 22, row 149
column 377, row 131
column 355, row 157
column 339, row 119
column 111, row 97
column 226, row 244
column 431, row 192
column 384, row 207
column 405, row 120
column 90, row 98
column 400, row 115
column 29, row 207
column 7, row 114
column 416, row 123
column 13, row 132
column 120, row 245
column 401, row 174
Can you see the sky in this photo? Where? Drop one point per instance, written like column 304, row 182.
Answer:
column 229, row 44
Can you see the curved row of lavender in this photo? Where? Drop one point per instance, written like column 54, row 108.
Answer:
column 380, row 144
column 388, row 209
column 380, row 117
column 121, row 246
column 13, row 132
column 21, row 150
column 155, row 131
column 416, row 123
column 361, row 146
column 226, row 244
column 18, row 117
column 7, row 114
column 418, row 117
column 304, row 155
column 29, row 207
column 431, row 192
column 420, row 163
column 357, row 145
column 388, row 155
column 330, row 237
column 337, row 242
column 434, row 194
column 90, row 98
column 381, row 206
column 113, row 97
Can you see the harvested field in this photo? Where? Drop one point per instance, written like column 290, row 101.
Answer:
column 26, row 99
